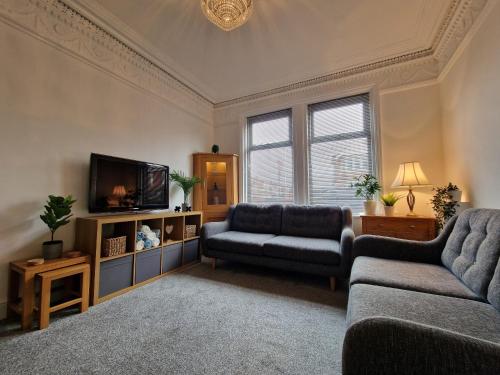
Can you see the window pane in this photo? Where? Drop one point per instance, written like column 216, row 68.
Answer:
column 344, row 119
column 339, row 150
column 265, row 131
column 270, row 176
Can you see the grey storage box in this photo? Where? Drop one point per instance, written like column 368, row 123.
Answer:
column 115, row 275
column 172, row 257
column 148, row 265
column 190, row 251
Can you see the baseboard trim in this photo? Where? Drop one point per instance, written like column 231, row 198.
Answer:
column 3, row 310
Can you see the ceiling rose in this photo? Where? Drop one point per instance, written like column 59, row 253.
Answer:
column 227, row 14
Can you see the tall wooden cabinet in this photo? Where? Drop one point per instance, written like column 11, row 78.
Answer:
column 219, row 184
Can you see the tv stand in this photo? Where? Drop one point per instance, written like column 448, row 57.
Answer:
column 115, row 275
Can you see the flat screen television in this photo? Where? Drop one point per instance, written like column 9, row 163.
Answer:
column 118, row 184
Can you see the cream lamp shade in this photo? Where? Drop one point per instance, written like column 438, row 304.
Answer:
column 410, row 175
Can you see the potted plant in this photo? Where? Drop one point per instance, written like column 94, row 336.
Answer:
column 389, row 200
column 445, row 202
column 367, row 186
column 57, row 213
column 185, row 183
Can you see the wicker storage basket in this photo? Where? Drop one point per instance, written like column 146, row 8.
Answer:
column 190, row 231
column 114, row 246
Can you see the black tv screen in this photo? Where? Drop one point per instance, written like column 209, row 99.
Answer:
column 118, row 184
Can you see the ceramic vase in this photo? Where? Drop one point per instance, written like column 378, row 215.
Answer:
column 389, row 210
column 370, row 207
column 52, row 249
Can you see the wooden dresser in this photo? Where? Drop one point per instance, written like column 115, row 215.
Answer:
column 420, row 228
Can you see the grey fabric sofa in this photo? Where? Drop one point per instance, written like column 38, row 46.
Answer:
column 310, row 239
column 427, row 307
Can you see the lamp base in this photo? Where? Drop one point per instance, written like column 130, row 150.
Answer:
column 411, row 214
column 410, row 199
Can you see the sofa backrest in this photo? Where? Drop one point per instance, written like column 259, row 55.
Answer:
column 312, row 221
column 472, row 252
column 255, row 218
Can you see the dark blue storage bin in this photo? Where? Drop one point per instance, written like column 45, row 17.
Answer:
column 147, row 265
column 172, row 257
column 115, row 275
column 190, row 251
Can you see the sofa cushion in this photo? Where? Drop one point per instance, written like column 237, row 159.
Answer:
column 303, row 249
column 312, row 221
column 473, row 318
column 255, row 218
column 419, row 277
column 472, row 251
column 239, row 242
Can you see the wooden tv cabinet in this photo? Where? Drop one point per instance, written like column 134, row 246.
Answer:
column 115, row 275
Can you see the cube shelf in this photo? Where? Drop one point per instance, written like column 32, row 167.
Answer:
column 115, row 275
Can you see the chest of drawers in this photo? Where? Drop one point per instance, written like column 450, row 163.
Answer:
column 418, row 228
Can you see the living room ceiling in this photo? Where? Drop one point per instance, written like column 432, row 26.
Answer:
column 284, row 42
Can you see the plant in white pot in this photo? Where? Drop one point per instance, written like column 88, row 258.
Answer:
column 57, row 213
column 367, row 186
column 389, row 200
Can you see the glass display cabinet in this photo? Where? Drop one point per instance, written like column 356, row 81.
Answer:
column 219, row 184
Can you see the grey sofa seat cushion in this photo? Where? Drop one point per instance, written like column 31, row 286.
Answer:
column 254, row 218
column 419, row 277
column 303, row 249
column 239, row 242
column 467, row 317
column 312, row 221
column 472, row 252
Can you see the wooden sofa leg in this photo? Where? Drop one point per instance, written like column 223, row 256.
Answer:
column 214, row 261
column 333, row 283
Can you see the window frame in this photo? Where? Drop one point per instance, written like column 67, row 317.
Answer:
column 367, row 132
column 249, row 147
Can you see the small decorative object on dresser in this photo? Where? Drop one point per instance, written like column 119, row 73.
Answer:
column 215, row 149
column 57, row 213
column 389, row 200
column 420, row 228
column 367, row 186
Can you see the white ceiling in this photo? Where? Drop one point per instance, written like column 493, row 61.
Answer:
column 284, row 42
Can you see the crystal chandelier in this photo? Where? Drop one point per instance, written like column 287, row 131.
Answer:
column 227, row 14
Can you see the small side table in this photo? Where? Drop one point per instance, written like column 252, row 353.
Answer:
column 420, row 228
column 23, row 275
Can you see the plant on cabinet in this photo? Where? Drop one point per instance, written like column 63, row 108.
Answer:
column 367, row 186
column 186, row 184
column 389, row 200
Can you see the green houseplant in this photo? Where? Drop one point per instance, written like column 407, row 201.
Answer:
column 185, row 183
column 389, row 200
column 367, row 186
column 445, row 202
column 57, row 213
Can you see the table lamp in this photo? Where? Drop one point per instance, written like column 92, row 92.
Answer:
column 410, row 175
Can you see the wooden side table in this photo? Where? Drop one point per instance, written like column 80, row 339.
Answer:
column 420, row 228
column 23, row 275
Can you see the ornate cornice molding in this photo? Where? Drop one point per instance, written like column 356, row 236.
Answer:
column 398, row 71
column 59, row 25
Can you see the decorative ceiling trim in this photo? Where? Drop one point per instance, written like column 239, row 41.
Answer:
column 459, row 18
column 58, row 24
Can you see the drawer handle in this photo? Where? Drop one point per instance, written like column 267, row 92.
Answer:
column 412, row 226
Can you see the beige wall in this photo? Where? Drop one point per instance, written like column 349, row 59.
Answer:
column 410, row 130
column 471, row 116
column 409, row 125
column 54, row 111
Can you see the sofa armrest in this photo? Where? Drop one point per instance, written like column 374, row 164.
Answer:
column 346, row 245
column 392, row 346
column 211, row 229
column 393, row 248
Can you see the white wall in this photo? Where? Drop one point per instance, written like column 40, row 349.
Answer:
column 471, row 115
column 54, row 111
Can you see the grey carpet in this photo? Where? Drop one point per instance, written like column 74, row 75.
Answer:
column 234, row 320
